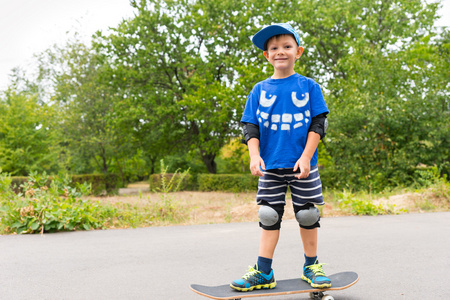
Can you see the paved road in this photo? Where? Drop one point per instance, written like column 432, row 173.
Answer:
column 397, row 257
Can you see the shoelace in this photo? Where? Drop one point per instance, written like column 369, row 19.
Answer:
column 251, row 271
column 317, row 269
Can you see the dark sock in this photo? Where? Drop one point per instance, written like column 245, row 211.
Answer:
column 264, row 264
column 310, row 260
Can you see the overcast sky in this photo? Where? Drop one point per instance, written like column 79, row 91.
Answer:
column 31, row 26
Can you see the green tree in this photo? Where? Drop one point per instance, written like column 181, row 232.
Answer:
column 28, row 141
column 93, row 137
column 179, row 65
column 336, row 30
column 384, row 70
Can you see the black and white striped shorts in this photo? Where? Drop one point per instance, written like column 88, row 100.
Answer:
column 272, row 187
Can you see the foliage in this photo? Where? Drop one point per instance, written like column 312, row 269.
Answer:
column 174, row 183
column 131, row 168
column 49, row 208
column 166, row 209
column 16, row 182
column 190, row 160
column 208, row 182
column 170, row 83
column 51, row 205
column 431, row 178
column 180, row 71
column 388, row 94
column 94, row 138
column 28, row 140
column 234, row 158
column 101, row 184
column 351, row 203
column 228, row 182
column 188, row 183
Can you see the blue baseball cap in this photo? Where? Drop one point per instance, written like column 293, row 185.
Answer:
column 261, row 37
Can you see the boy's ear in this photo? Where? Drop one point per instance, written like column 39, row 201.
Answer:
column 299, row 52
column 266, row 54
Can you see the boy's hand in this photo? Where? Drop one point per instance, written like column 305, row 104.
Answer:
column 304, row 164
column 256, row 163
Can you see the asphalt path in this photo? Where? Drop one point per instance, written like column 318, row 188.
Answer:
column 397, row 257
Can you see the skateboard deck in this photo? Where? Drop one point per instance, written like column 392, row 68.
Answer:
column 339, row 281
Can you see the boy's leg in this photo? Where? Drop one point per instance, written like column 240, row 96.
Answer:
column 309, row 239
column 306, row 193
column 312, row 270
column 271, row 193
column 261, row 275
column 268, row 243
column 270, row 217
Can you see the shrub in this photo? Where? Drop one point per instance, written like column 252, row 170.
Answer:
column 209, row 182
column 351, row 203
column 43, row 207
column 100, row 183
column 228, row 182
column 17, row 181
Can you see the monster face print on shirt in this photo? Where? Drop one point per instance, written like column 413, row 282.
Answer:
column 283, row 121
column 283, row 108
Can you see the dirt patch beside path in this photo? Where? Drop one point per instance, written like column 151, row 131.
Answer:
column 221, row 207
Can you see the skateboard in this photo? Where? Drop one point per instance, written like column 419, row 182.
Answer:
column 339, row 281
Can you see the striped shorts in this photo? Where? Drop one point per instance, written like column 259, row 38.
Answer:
column 272, row 187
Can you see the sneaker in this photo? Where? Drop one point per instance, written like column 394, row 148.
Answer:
column 254, row 279
column 315, row 276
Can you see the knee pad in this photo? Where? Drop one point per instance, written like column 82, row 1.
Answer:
column 308, row 217
column 270, row 217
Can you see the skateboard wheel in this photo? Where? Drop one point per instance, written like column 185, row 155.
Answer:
column 315, row 295
column 327, row 297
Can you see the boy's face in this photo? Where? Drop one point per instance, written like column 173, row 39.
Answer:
column 282, row 52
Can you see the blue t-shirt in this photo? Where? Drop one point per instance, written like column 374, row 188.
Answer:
column 283, row 108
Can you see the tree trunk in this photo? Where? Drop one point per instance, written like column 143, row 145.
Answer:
column 208, row 159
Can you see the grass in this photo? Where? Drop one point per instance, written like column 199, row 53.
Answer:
column 164, row 208
column 190, row 208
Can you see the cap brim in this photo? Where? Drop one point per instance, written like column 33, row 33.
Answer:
column 261, row 37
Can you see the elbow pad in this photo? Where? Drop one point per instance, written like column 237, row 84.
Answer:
column 250, row 131
column 319, row 125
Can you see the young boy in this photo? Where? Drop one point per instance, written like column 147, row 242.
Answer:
column 283, row 122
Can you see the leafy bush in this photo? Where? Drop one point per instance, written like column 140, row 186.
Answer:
column 354, row 205
column 228, row 182
column 100, row 184
column 208, row 182
column 17, row 181
column 43, row 207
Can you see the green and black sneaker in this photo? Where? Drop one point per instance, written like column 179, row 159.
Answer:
column 315, row 276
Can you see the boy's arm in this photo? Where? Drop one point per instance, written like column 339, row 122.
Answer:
column 251, row 139
column 304, row 163
column 256, row 162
